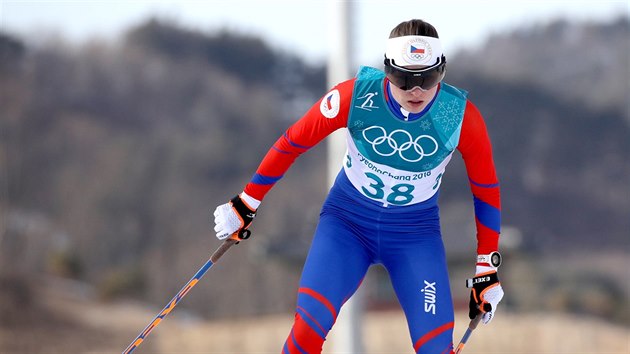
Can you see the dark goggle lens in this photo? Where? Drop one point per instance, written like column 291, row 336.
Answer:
column 406, row 80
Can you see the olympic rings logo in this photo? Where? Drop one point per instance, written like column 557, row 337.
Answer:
column 400, row 141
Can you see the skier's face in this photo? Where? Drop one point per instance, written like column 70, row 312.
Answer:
column 414, row 100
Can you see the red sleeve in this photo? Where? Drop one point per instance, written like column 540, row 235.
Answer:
column 476, row 150
column 324, row 117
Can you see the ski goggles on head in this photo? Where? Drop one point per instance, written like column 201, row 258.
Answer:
column 424, row 78
column 415, row 61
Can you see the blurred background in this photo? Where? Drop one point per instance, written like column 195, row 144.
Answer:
column 124, row 123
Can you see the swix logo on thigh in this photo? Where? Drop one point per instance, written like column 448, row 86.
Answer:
column 430, row 294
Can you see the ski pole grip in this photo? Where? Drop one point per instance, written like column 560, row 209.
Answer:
column 475, row 321
column 222, row 249
column 233, row 240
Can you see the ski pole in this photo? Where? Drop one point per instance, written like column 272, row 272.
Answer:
column 471, row 327
column 234, row 239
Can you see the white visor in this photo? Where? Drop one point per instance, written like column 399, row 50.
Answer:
column 413, row 50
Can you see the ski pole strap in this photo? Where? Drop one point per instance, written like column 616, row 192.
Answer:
column 242, row 234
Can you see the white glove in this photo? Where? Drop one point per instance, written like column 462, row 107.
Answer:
column 485, row 293
column 226, row 222
column 493, row 296
column 235, row 215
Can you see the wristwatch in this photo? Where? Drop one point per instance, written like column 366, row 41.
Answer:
column 493, row 259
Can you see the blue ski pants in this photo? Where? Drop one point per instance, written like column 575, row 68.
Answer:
column 354, row 233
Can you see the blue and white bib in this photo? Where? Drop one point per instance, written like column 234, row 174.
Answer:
column 399, row 162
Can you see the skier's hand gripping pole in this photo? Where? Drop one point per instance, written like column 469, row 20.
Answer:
column 485, row 294
column 235, row 238
column 235, row 215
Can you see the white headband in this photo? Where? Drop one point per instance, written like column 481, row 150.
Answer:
column 414, row 50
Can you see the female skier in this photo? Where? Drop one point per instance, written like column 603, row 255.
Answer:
column 403, row 125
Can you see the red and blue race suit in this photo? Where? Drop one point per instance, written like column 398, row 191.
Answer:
column 382, row 208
